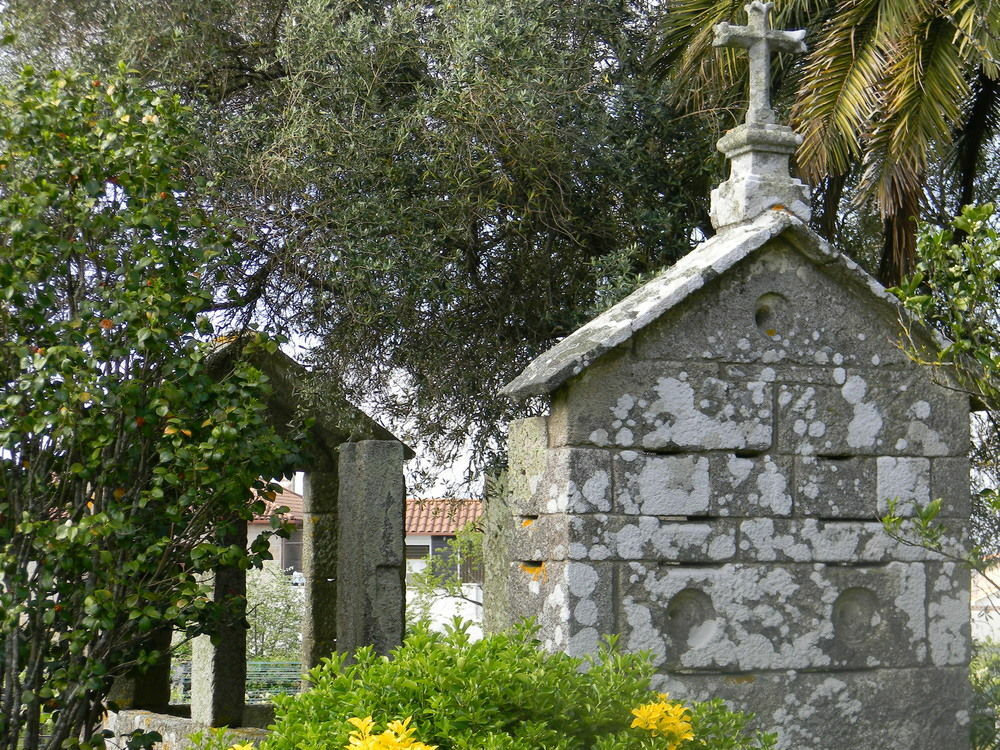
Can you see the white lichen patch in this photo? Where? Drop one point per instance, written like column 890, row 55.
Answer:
column 663, row 485
column 910, row 599
column 737, row 416
column 947, row 617
column 866, row 423
column 642, row 633
column 903, row 480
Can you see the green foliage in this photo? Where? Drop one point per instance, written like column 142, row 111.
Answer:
column 984, row 673
column 439, row 190
column 275, row 613
column 441, row 577
column 212, row 739
column 501, row 693
column 126, row 463
column 956, row 291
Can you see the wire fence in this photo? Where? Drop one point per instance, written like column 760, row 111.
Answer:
column 265, row 679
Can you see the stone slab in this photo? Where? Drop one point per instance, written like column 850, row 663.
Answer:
column 573, row 603
column 497, row 523
column 320, row 532
column 859, row 487
column 574, row 480
column 871, row 414
column 835, row 487
column 623, row 403
column 319, row 622
column 176, row 730
column 948, row 627
column 894, row 709
column 601, row 537
column 541, row 538
column 692, row 484
column 526, row 449
column 218, row 659
column 748, row 617
column 760, row 315
column 950, row 482
column 848, row 542
column 319, row 491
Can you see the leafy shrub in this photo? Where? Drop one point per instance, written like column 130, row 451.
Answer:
column 984, row 674
column 127, row 455
column 500, row 693
column 213, row 739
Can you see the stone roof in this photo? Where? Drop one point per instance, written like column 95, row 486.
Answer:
column 620, row 323
column 440, row 517
column 335, row 420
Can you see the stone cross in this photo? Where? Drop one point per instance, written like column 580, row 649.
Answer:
column 759, row 39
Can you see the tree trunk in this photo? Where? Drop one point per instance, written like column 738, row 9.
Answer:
column 899, row 249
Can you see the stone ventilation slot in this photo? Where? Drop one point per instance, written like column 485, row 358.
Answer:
column 769, row 313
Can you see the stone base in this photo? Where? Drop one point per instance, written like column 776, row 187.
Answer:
column 176, row 727
column 890, row 709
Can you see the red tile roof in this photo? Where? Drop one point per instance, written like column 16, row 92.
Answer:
column 436, row 517
column 289, row 498
column 440, row 517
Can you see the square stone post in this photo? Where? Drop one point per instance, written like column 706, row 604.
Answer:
column 149, row 689
column 319, row 565
column 371, row 597
column 219, row 668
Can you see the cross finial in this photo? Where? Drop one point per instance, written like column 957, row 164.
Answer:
column 759, row 149
column 759, row 39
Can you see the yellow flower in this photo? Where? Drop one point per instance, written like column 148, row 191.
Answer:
column 244, row 746
column 398, row 736
column 667, row 719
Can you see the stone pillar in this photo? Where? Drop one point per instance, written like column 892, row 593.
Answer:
column 528, row 440
column 371, row 597
column 148, row 690
column 319, row 564
column 219, row 661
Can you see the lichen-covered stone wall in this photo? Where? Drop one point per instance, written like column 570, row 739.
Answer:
column 710, row 491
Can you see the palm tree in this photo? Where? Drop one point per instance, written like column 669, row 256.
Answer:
column 885, row 85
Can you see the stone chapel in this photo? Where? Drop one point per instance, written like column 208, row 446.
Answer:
column 718, row 451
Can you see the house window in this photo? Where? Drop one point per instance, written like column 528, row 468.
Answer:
column 291, row 554
column 465, row 571
column 469, row 572
column 417, row 551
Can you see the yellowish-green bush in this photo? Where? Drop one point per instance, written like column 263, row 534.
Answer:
column 500, row 693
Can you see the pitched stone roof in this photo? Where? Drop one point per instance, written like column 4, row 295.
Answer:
column 440, row 517
column 711, row 258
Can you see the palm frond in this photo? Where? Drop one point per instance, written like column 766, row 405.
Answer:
column 685, row 34
column 982, row 119
column 926, row 89
column 977, row 26
column 895, row 15
column 839, row 90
